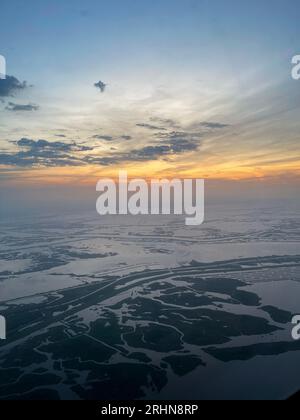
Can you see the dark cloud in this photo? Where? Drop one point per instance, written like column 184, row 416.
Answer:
column 182, row 146
column 151, row 152
column 100, row 85
column 110, row 138
column 11, row 85
column 18, row 107
column 44, row 153
column 101, row 137
column 170, row 144
column 151, row 127
column 181, row 142
column 43, row 158
column 179, row 137
column 169, row 124
column 213, row 125
column 56, row 146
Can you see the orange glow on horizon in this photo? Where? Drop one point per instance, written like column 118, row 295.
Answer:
column 89, row 175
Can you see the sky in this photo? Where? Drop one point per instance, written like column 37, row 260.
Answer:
column 160, row 88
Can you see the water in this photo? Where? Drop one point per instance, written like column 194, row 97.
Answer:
column 139, row 307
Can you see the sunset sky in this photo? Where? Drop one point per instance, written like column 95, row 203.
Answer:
column 191, row 88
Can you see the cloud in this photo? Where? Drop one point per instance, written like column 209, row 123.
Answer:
column 104, row 161
column 170, row 144
column 182, row 146
column 110, row 138
column 100, row 85
column 177, row 138
column 169, row 124
column 44, row 153
column 17, row 107
column 212, row 125
column 166, row 122
column 11, row 85
column 181, row 142
column 102, row 137
column 151, row 127
column 151, row 152
column 57, row 145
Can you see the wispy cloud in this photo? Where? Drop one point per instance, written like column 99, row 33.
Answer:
column 212, row 125
column 150, row 127
column 103, row 137
column 21, row 107
column 111, row 138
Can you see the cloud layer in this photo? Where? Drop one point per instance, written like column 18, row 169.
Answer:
column 163, row 144
column 33, row 153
